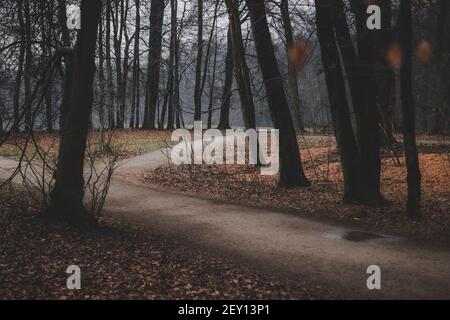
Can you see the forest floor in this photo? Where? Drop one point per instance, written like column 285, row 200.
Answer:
column 244, row 185
column 122, row 261
column 159, row 244
column 279, row 241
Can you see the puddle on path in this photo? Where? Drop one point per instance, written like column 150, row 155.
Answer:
column 357, row 236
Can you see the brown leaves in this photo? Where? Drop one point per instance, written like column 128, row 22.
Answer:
column 244, row 184
column 120, row 262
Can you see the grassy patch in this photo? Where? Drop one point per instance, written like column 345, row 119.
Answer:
column 125, row 143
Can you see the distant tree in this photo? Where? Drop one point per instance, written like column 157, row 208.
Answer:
column 207, row 63
column 154, row 63
column 20, row 66
column 109, row 68
column 292, row 72
column 241, row 70
column 46, row 21
column 101, row 82
column 384, row 73
column 122, row 45
column 68, row 63
column 224, row 120
column 198, row 68
column 179, row 26
column 212, row 83
column 28, row 65
column 173, row 86
column 135, row 104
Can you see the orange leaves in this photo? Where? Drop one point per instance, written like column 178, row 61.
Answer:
column 298, row 54
column 394, row 53
column 424, row 51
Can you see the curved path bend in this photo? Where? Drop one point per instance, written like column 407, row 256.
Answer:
column 280, row 243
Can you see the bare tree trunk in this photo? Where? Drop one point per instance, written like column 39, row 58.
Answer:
column 292, row 72
column 28, row 65
column 135, row 104
column 241, row 71
column 117, row 45
column 101, row 80
column 46, row 47
column 177, row 102
column 212, row 85
column 170, row 83
column 362, row 86
column 2, row 110
column 443, row 108
column 62, row 21
column 385, row 74
column 119, row 26
column 20, row 65
column 125, row 73
column 409, row 116
column 171, row 70
column 109, row 69
column 198, row 69
column 68, row 63
column 125, row 64
column 326, row 21
column 208, row 49
column 67, row 195
column 224, row 122
column 154, row 63
column 366, row 109
column 162, row 119
column 176, row 85
column 291, row 169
